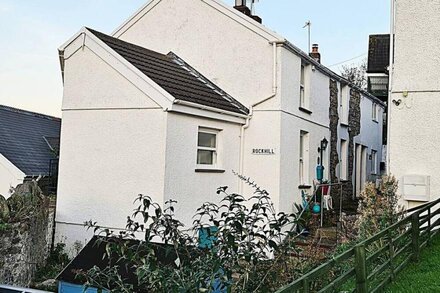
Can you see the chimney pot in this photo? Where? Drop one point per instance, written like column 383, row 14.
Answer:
column 315, row 53
column 241, row 6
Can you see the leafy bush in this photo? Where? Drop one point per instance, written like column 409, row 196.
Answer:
column 247, row 248
column 378, row 207
column 55, row 263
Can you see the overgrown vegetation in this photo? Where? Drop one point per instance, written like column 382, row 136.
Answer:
column 238, row 245
column 243, row 246
column 55, row 263
column 378, row 207
column 26, row 202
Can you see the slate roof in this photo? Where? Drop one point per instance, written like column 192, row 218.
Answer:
column 174, row 75
column 22, row 139
column 378, row 53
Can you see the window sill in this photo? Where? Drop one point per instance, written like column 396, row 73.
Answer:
column 209, row 170
column 305, row 110
column 304, row 186
column 344, row 124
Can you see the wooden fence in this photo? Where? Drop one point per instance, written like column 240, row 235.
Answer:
column 373, row 263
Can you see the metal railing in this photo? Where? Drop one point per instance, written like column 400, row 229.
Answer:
column 371, row 264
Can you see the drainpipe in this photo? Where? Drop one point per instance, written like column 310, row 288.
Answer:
column 251, row 110
column 390, row 83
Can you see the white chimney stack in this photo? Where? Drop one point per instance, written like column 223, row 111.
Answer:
column 240, row 2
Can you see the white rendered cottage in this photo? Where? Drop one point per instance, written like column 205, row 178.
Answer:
column 224, row 93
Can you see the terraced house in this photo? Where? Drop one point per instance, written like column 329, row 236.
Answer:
column 187, row 91
column 29, row 148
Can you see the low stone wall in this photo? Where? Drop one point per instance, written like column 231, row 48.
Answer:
column 25, row 245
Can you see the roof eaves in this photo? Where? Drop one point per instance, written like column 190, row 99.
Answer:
column 328, row 71
column 26, row 112
column 219, row 5
column 217, row 89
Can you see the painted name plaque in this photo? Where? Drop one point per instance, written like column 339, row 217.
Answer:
column 263, row 151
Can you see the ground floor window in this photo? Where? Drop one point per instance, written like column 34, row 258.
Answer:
column 373, row 162
column 304, row 158
column 344, row 159
column 207, row 147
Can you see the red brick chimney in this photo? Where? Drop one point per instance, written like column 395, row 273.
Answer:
column 315, row 53
column 241, row 6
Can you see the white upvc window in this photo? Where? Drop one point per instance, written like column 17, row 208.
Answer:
column 344, row 103
column 344, row 160
column 304, row 158
column 374, row 112
column 373, row 162
column 302, row 87
column 207, row 147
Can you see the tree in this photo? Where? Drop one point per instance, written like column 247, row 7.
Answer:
column 356, row 73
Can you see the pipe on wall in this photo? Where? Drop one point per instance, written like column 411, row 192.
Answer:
column 390, row 83
column 251, row 110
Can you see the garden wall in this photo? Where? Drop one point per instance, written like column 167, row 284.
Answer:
column 25, row 245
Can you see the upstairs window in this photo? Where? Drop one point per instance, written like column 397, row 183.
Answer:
column 374, row 112
column 207, row 152
column 345, row 94
column 302, row 87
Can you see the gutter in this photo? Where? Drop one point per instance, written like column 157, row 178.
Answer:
column 327, row 71
column 208, row 108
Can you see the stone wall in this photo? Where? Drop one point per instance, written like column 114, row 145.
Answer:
column 334, row 123
column 354, row 129
column 25, row 244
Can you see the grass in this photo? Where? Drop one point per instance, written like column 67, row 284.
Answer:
column 423, row 276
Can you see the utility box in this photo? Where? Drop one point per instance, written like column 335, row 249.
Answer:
column 416, row 187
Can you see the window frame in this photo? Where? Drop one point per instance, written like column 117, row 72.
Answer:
column 304, row 158
column 373, row 162
column 374, row 112
column 215, row 150
column 343, row 168
column 345, row 103
column 302, row 86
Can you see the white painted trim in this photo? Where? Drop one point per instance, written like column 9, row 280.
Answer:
column 146, row 85
column 14, row 170
column 377, row 74
column 206, row 112
column 120, row 64
column 16, row 173
column 223, row 8
column 133, row 19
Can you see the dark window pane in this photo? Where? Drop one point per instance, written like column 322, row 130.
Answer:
column 205, row 157
column 206, row 140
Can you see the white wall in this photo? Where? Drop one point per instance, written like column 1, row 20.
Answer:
column 232, row 56
column 414, row 124
column 10, row 176
column 182, row 183
column 112, row 148
column 293, row 121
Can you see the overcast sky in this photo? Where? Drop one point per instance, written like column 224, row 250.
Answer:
column 32, row 30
